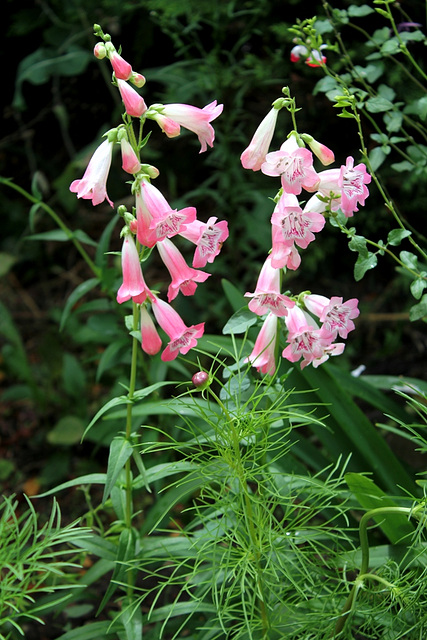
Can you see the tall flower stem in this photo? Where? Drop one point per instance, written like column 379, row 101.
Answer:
column 249, row 515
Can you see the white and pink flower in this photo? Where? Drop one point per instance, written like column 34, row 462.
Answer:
column 347, row 186
column 182, row 338
column 263, row 355
column 93, row 185
column 151, row 342
column 267, row 297
column 254, row 155
column 133, row 285
column 134, row 103
column 130, row 161
column 195, row 119
column 208, row 237
column 337, row 316
column 297, row 225
column 294, row 165
column 184, row 278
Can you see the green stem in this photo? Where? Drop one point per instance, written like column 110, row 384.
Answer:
column 58, row 221
column 248, row 514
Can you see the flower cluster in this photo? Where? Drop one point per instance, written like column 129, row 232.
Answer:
column 153, row 222
column 312, row 322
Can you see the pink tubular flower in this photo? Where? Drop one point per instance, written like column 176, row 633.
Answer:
column 254, row 155
column 155, row 218
column 130, row 162
column 93, row 185
column 293, row 164
column 347, row 184
column 335, row 314
column 134, row 103
column 263, row 353
column 267, row 297
column 283, row 253
column 307, row 341
column 184, row 278
column 182, row 338
column 195, row 119
column 133, row 281
column 321, row 151
column 167, row 125
column 122, row 69
column 208, row 238
column 297, row 225
column 151, row 342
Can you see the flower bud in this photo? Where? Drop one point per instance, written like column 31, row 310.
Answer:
column 201, row 380
column 137, row 79
column 99, row 51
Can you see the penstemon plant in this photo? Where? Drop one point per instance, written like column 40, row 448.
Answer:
column 230, row 509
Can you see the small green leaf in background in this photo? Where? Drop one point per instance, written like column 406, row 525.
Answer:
column 396, row 236
column 363, row 264
column 395, row 526
column 419, row 311
column 240, row 321
column 67, row 431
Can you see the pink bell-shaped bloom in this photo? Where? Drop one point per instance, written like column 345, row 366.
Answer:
column 182, row 338
column 347, row 186
column 294, row 165
column 151, row 342
column 208, row 238
column 93, row 185
column 122, row 69
column 133, row 285
column 130, row 162
column 134, row 103
column 195, row 119
column 267, row 297
column 296, row 225
column 307, row 341
column 337, row 316
column 184, row 278
column 254, row 155
column 156, row 219
column 263, row 355
column 283, row 253
column 167, row 125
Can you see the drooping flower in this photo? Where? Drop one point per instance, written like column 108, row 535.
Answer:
column 93, row 185
column 294, row 165
column 337, row 316
column 195, row 119
column 182, row 338
column 134, row 103
column 156, row 219
column 284, row 252
column 208, row 237
column 254, row 155
column 151, row 342
column 296, row 225
column 130, row 162
column 263, row 353
column 184, row 278
column 267, row 297
column 122, row 69
column 133, row 285
column 307, row 341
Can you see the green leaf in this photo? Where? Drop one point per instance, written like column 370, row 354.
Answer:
column 92, row 478
column 419, row 311
column 378, row 105
column 91, row 631
column 396, row 236
column 240, row 321
column 120, row 451
column 104, row 242
column 358, row 243
column 417, row 286
column 74, row 297
column 409, row 259
column 125, row 554
column 395, row 526
column 114, row 402
column 377, row 157
column 393, row 121
column 359, row 11
column 418, row 107
column 67, row 431
column 233, row 295
column 363, row 264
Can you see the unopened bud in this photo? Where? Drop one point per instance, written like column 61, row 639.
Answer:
column 137, row 79
column 151, row 171
column 99, row 51
column 201, row 380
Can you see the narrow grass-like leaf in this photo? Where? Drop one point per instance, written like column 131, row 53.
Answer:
column 120, row 451
column 91, row 478
column 125, row 553
column 74, row 297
